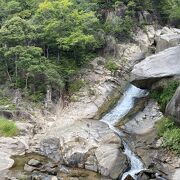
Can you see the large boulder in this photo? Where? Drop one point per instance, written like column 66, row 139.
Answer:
column 155, row 67
column 86, row 144
column 167, row 40
column 173, row 107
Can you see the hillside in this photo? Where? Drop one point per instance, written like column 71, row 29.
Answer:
column 89, row 89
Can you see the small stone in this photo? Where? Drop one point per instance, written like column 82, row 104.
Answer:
column 34, row 162
column 129, row 177
column 29, row 168
column 159, row 142
column 54, row 178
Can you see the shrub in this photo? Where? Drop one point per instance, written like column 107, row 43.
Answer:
column 171, row 139
column 170, row 134
column 76, row 85
column 164, row 95
column 111, row 66
column 6, row 103
column 7, row 128
column 163, row 125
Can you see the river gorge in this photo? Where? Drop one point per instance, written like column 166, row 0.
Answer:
column 108, row 130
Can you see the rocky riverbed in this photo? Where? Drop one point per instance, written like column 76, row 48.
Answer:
column 77, row 145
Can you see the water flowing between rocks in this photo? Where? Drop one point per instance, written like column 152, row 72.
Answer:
column 124, row 105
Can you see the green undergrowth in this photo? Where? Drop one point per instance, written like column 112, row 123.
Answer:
column 111, row 66
column 6, row 104
column 164, row 94
column 76, row 85
column 7, row 128
column 170, row 133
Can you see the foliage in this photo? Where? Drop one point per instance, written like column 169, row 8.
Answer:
column 7, row 128
column 5, row 103
column 170, row 134
column 164, row 95
column 164, row 125
column 120, row 28
column 45, row 43
column 168, row 11
column 111, row 66
column 171, row 139
column 76, row 85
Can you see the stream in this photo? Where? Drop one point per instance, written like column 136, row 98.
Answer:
column 124, row 105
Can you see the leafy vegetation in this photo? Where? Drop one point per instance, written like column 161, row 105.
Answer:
column 170, row 134
column 164, row 125
column 168, row 11
column 76, row 85
column 111, row 66
column 44, row 43
column 7, row 128
column 164, row 94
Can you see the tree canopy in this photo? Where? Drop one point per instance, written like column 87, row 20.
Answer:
column 44, row 42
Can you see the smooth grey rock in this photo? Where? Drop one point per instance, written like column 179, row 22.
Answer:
column 173, row 107
column 155, row 67
column 87, row 144
column 167, row 40
column 29, row 168
column 34, row 162
column 91, row 164
column 176, row 175
column 111, row 161
column 5, row 161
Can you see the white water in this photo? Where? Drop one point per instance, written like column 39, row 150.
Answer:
column 125, row 104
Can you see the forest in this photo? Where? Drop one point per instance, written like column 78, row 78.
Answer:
column 45, row 43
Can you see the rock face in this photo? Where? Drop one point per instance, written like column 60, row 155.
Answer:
column 155, row 67
column 144, row 121
column 166, row 38
column 86, row 144
column 173, row 107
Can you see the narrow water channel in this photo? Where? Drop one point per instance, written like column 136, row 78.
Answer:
column 124, row 105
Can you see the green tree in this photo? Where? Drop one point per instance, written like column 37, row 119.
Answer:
column 65, row 27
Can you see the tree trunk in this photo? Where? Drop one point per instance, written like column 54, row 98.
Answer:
column 10, row 79
column 58, row 56
column 47, row 52
column 27, row 76
column 44, row 51
column 16, row 68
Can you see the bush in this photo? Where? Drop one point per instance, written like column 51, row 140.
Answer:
column 6, row 103
column 76, row 85
column 111, row 66
column 118, row 27
column 7, row 128
column 171, row 140
column 164, row 95
column 163, row 125
column 170, row 134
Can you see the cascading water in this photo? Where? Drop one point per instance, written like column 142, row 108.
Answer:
column 125, row 104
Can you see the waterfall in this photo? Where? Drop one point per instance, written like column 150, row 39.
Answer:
column 124, row 105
